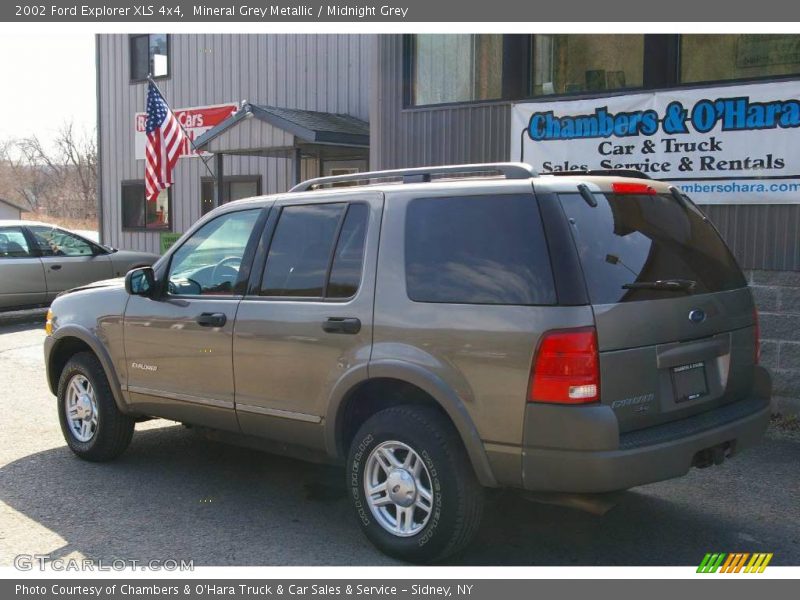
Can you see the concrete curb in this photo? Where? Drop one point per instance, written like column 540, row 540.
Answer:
column 17, row 317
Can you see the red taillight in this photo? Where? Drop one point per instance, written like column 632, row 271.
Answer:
column 626, row 187
column 757, row 333
column 566, row 368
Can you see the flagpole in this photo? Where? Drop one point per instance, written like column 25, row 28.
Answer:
column 186, row 135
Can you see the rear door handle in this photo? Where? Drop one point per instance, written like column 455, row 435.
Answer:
column 341, row 325
column 55, row 267
column 211, row 319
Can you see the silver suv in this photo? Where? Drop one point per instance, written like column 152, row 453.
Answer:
column 439, row 331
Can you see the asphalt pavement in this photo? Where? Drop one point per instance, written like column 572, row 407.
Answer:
column 175, row 495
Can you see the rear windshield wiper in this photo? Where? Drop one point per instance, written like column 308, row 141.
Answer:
column 676, row 285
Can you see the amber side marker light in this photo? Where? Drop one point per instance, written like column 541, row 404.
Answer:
column 48, row 324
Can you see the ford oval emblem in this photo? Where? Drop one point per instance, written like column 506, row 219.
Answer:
column 698, row 315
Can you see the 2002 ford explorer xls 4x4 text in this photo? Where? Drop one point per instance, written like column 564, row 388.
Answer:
column 439, row 334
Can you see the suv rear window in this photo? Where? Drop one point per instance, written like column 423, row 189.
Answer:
column 477, row 250
column 642, row 239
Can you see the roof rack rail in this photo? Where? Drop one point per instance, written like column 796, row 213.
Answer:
column 609, row 172
column 422, row 174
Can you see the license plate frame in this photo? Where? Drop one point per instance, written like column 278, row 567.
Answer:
column 689, row 381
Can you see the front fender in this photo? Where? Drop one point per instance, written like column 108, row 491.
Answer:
column 434, row 386
column 73, row 331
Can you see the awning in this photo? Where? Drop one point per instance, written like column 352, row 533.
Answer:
column 276, row 131
column 272, row 131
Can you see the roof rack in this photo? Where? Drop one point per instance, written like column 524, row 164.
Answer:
column 422, row 174
column 607, row 172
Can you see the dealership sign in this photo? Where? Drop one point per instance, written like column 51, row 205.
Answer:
column 195, row 121
column 725, row 145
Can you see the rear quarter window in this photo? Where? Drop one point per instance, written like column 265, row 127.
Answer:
column 477, row 250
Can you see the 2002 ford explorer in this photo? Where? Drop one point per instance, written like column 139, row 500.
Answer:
column 439, row 330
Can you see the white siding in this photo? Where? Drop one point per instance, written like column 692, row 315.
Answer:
column 9, row 212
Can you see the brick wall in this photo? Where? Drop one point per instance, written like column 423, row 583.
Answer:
column 777, row 295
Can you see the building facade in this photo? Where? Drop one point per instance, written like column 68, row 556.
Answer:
column 464, row 98
column 205, row 79
column 453, row 99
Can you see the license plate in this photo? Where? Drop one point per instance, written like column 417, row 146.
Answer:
column 689, row 382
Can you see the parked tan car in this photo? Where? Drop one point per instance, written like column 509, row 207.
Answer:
column 38, row 261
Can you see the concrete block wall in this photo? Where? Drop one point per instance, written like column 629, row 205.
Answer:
column 777, row 296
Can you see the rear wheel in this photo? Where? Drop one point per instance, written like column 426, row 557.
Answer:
column 93, row 426
column 414, row 491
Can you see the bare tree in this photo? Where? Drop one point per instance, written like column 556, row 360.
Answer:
column 19, row 182
column 79, row 153
column 60, row 179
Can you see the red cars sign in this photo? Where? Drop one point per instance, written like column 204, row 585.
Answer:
column 196, row 121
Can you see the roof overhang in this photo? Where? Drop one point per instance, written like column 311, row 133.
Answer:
column 273, row 131
column 14, row 205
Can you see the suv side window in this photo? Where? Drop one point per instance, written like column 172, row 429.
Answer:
column 317, row 251
column 208, row 262
column 13, row 243
column 477, row 250
column 57, row 242
column 348, row 259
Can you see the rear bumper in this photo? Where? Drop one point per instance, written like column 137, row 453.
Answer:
column 644, row 456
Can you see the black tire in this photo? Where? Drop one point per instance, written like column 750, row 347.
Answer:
column 457, row 496
column 114, row 429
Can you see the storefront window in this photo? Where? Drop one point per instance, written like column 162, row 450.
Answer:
column 741, row 56
column 140, row 213
column 233, row 188
column 457, row 68
column 566, row 64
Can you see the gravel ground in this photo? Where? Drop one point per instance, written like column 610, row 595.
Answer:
column 176, row 495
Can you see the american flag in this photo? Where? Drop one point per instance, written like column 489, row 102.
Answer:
column 165, row 138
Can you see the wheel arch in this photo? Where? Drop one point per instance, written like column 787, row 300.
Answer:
column 69, row 341
column 400, row 382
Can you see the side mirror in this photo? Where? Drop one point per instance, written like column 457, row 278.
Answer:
column 141, row 281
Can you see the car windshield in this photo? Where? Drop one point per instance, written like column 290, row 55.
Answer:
column 644, row 247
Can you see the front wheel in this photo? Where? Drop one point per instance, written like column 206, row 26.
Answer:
column 415, row 494
column 93, row 426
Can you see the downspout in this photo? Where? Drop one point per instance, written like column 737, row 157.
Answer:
column 99, row 157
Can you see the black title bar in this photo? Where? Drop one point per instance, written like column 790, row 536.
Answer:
column 478, row 11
